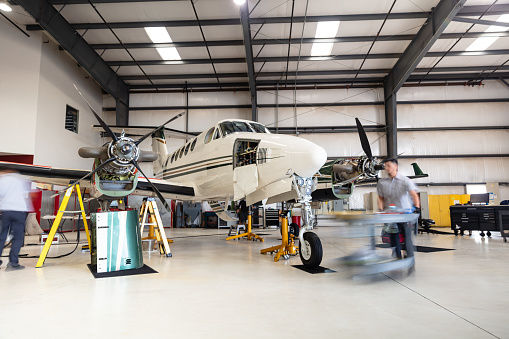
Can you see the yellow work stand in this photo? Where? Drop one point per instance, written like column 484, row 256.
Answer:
column 149, row 208
column 56, row 222
column 250, row 235
column 287, row 247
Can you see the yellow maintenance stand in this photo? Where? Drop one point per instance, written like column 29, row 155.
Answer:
column 149, row 209
column 56, row 222
column 287, row 246
column 250, row 235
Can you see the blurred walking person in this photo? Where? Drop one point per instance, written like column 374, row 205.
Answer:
column 14, row 206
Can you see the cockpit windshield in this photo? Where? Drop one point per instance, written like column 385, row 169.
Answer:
column 258, row 128
column 228, row 127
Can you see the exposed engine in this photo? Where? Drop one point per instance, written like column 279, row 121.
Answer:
column 346, row 171
column 124, row 151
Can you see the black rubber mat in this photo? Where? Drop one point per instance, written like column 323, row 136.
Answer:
column 142, row 270
column 423, row 249
column 426, row 249
column 316, row 270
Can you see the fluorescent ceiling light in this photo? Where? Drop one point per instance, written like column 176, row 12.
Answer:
column 4, row 7
column 159, row 35
column 239, row 2
column 324, row 29
column 481, row 44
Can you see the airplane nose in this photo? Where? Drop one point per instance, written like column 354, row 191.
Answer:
column 307, row 158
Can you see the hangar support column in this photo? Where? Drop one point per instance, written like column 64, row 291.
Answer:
column 246, row 32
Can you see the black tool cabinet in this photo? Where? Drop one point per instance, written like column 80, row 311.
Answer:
column 480, row 218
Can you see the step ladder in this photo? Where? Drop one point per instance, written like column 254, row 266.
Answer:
column 149, row 216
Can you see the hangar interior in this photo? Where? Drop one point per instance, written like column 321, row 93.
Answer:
column 428, row 80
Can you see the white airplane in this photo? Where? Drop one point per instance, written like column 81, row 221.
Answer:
column 234, row 159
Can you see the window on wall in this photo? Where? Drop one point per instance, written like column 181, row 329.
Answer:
column 71, row 119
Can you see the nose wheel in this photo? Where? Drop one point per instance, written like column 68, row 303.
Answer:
column 311, row 250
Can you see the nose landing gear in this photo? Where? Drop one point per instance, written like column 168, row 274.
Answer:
column 310, row 246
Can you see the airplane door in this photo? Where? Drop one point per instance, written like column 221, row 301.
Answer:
column 245, row 173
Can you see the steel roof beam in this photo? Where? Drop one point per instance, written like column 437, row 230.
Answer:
column 56, row 25
column 311, row 73
column 371, row 80
column 418, row 48
column 246, row 33
column 420, row 45
column 261, row 42
column 466, row 11
column 302, row 58
column 481, row 22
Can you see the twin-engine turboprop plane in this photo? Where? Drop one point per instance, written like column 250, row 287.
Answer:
column 234, row 159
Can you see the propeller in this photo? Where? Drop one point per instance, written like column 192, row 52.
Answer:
column 125, row 151
column 154, row 188
column 364, row 139
column 86, row 176
column 101, row 121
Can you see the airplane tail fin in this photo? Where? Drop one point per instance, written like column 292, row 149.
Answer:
column 159, row 146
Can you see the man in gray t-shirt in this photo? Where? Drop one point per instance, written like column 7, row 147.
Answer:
column 400, row 191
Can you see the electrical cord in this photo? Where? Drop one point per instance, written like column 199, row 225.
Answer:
column 48, row 257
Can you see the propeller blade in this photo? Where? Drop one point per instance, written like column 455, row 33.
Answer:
column 167, row 122
column 364, row 139
column 103, row 124
column 156, row 191
column 89, row 174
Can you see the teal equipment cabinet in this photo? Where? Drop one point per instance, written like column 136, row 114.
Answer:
column 116, row 241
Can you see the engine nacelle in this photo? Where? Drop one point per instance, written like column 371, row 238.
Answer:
column 347, row 172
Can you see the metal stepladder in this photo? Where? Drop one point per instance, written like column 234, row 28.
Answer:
column 58, row 219
column 156, row 229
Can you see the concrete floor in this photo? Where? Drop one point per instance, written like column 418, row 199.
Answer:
column 217, row 289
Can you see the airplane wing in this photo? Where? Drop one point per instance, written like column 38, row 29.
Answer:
column 168, row 189
column 62, row 177
column 47, row 175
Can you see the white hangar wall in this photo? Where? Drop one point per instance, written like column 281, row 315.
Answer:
column 419, row 143
column 19, row 83
column 36, row 84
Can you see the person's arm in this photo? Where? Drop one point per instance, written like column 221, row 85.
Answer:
column 381, row 203
column 415, row 198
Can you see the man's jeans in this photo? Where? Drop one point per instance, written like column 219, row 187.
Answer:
column 15, row 222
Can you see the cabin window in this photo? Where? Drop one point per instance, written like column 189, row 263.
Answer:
column 181, row 152
column 187, row 148
column 172, row 157
column 228, row 127
column 258, row 128
column 209, row 135
column 193, row 144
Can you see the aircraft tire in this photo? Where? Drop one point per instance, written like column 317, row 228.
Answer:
column 315, row 245
column 294, row 229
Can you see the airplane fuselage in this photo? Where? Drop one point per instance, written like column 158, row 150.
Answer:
column 214, row 161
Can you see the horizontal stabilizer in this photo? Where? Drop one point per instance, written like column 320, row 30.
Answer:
column 132, row 131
